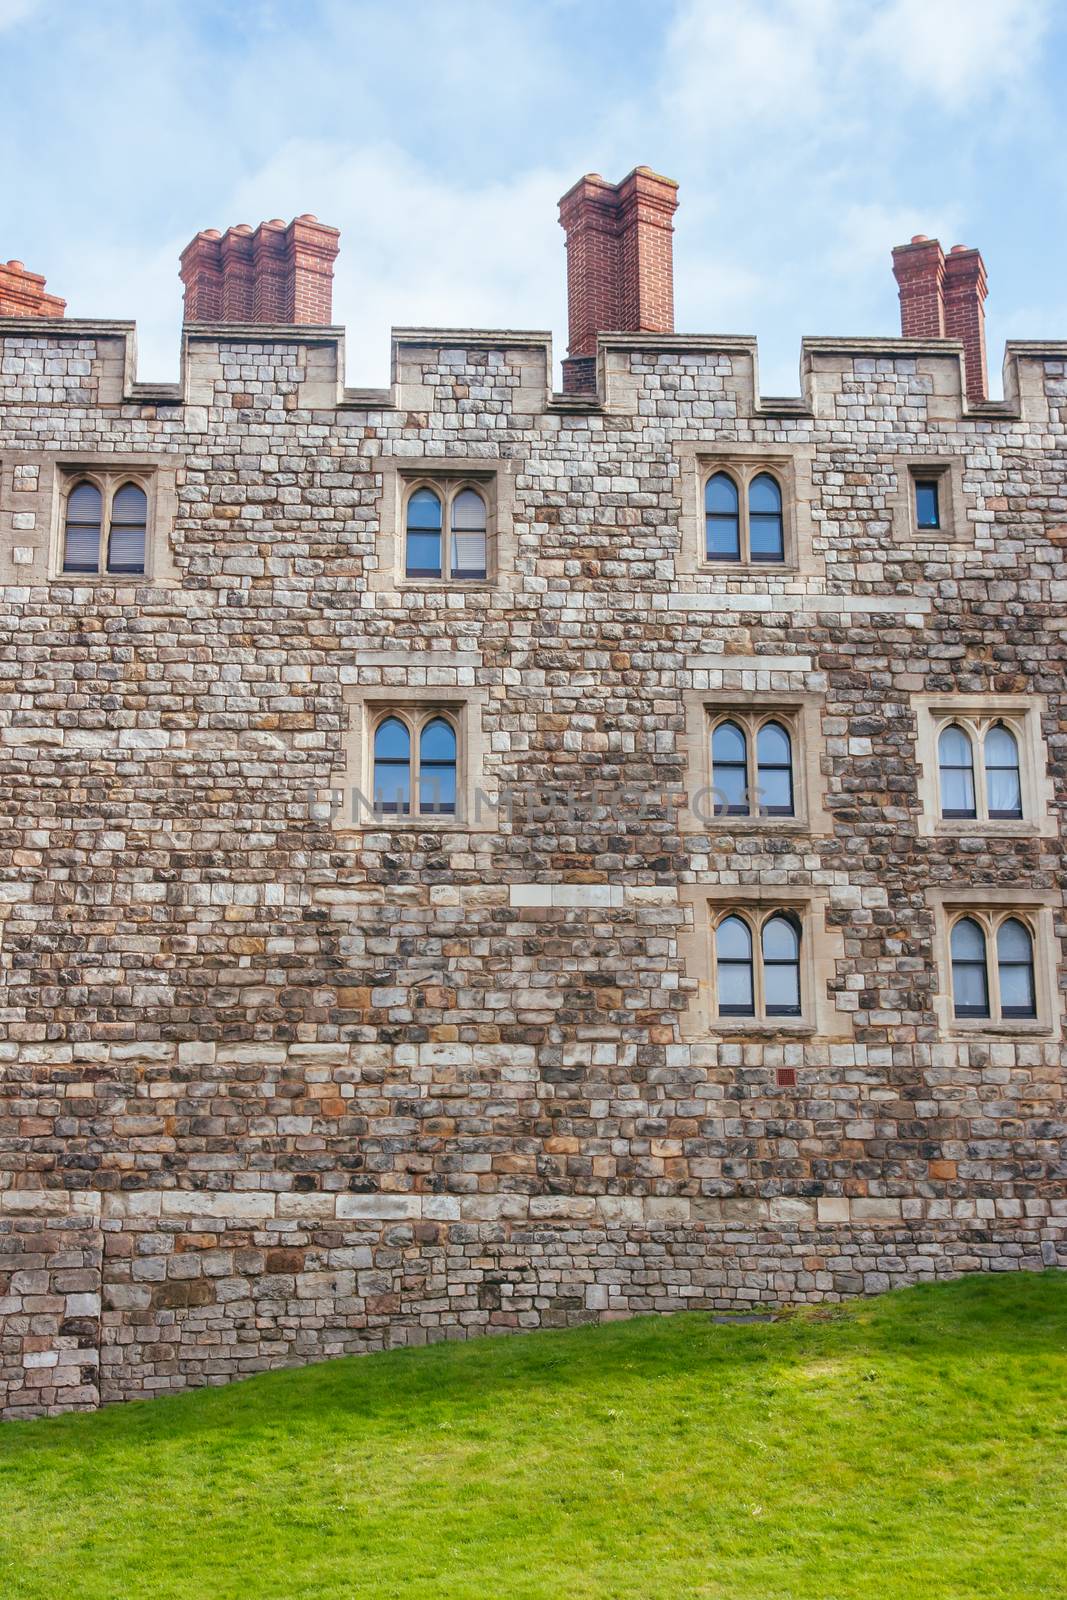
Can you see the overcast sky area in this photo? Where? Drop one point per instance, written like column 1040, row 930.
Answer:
column 807, row 136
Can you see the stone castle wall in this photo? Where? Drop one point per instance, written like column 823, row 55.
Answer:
column 273, row 1087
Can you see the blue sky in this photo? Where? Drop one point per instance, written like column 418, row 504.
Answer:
column 808, row 137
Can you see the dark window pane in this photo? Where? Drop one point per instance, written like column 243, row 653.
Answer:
column 424, row 509
column 125, row 548
column 728, row 743
column 468, row 555
column 437, row 768
column 956, row 762
column 720, row 496
column 83, row 503
column 1015, row 963
column 723, row 522
column 1004, row 795
column 765, row 537
column 733, row 941
column 764, row 495
column 927, row 506
column 781, row 941
column 392, row 767
column 781, row 967
column 733, row 968
column 81, row 546
column 424, row 555
column 468, row 511
column 970, row 983
column 82, row 549
column 781, row 989
column 129, row 505
column 729, row 769
column 774, row 770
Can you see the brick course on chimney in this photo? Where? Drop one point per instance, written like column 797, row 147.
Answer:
column 22, row 293
column 272, row 274
column 620, row 275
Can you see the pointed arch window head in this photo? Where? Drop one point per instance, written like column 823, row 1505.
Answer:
column 1000, row 751
column 722, row 518
column 955, row 756
column 766, row 535
column 105, row 527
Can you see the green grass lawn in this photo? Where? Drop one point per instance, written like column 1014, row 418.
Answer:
column 911, row 1446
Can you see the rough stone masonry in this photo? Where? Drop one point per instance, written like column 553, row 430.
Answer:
column 284, row 1075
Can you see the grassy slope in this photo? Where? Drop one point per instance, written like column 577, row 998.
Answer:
column 911, row 1446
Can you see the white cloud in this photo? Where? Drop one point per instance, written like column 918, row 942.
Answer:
column 12, row 11
column 961, row 50
column 812, row 67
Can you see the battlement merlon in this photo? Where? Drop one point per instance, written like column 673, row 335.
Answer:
column 421, row 357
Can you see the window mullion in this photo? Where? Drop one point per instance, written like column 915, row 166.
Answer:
column 415, row 729
column 757, row 969
column 743, row 476
column 449, row 498
column 992, row 961
column 981, row 797
column 107, row 495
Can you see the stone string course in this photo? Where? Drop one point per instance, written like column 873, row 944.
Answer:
column 272, row 1091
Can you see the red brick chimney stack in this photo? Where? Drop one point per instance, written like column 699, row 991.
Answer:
column 966, row 287
column 272, row 274
column 944, row 297
column 620, row 272
column 919, row 268
column 22, row 293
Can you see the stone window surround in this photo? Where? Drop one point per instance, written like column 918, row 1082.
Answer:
column 155, row 475
column 1021, row 713
column 948, row 471
column 821, row 948
column 402, row 475
column 799, row 711
column 1036, row 909
column 463, row 707
column 790, row 464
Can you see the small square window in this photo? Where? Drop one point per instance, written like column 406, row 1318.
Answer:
column 927, row 503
